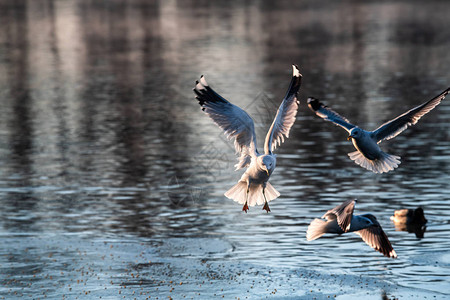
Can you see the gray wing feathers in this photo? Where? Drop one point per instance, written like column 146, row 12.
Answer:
column 328, row 114
column 285, row 116
column 343, row 213
column 375, row 237
column 394, row 127
column 234, row 121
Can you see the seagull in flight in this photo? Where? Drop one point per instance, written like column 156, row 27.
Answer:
column 253, row 187
column 368, row 154
column 341, row 220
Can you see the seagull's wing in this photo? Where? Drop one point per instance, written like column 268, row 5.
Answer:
column 375, row 237
column 343, row 213
column 394, row 127
column 328, row 114
column 234, row 121
column 286, row 113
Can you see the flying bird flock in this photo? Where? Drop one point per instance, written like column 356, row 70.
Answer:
column 254, row 188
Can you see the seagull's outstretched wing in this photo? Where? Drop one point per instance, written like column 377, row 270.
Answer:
column 375, row 237
column 343, row 213
column 234, row 121
column 327, row 114
column 286, row 113
column 394, row 127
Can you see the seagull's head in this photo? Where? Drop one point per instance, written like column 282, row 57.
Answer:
column 419, row 216
column 355, row 133
column 367, row 222
column 267, row 163
column 363, row 221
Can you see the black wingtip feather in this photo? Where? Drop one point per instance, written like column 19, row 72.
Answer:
column 295, row 84
column 205, row 94
column 197, row 93
column 201, row 101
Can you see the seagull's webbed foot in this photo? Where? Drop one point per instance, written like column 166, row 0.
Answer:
column 266, row 207
column 245, row 208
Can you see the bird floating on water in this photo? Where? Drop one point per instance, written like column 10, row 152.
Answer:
column 368, row 154
column 253, row 187
column 409, row 216
column 341, row 220
column 410, row 220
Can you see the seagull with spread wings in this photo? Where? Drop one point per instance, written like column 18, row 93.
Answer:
column 253, row 187
column 341, row 220
column 369, row 154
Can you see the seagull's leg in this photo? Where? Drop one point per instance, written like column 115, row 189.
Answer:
column 245, row 208
column 266, row 205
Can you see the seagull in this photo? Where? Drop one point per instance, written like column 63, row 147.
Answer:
column 341, row 220
column 368, row 154
column 253, row 187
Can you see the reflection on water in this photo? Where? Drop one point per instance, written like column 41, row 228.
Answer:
column 417, row 229
column 105, row 151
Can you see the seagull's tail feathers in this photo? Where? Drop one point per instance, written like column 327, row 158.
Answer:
column 271, row 192
column 385, row 163
column 316, row 229
column 238, row 193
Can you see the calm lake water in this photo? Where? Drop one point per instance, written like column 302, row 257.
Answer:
column 112, row 179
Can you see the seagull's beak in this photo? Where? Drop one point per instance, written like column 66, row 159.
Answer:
column 349, row 137
column 267, row 171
